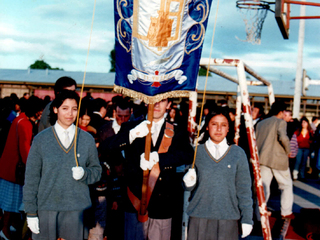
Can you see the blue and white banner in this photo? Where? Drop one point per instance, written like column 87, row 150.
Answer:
column 158, row 46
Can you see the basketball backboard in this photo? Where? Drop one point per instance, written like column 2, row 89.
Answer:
column 282, row 14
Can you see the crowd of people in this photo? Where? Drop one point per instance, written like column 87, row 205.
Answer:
column 85, row 182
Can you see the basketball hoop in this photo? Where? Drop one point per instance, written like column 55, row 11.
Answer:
column 254, row 13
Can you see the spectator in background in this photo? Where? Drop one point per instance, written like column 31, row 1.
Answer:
column 26, row 96
column 38, row 103
column 316, row 148
column 287, row 116
column 223, row 103
column 62, row 83
column 87, row 99
column 110, row 111
column 257, row 114
column 14, row 98
column 122, row 113
column 46, row 100
column 304, row 137
column 292, row 125
column 173, row 116
column 113, row 208
column 6, row 108
column 84, row 117
column 314, row 124
column 274, row 147
column 16, row 149
column 98, row 113
column 139, row 110
column 231, row 133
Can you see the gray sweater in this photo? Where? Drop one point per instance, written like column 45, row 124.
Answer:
column 49, row 185
column 223, row 189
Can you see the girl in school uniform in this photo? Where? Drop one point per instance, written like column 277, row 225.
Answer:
column 221, row 185
column 56, row 192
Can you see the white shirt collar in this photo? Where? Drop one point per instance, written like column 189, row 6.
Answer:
column 60, row 131
column 223, row 146
column 160, row 122
column 157, row 126
column 116, row 127
column 254, row 121
column 95, row 112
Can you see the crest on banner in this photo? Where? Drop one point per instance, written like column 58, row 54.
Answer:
column 158, row 47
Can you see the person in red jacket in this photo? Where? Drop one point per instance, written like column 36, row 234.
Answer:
column 304, row 136
column 17, row 147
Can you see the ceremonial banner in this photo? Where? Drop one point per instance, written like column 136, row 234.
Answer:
column 158, row 47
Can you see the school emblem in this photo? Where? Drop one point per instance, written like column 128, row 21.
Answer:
column 158, row 44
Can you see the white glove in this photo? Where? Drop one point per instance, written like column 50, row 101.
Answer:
column 190, row 178
column 312, row 154
column 140, row 130
column 77, row 173
column 144, row 164
column 246, row 229
column 33, row 224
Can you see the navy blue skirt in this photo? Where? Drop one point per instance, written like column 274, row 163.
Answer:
column 10, row 196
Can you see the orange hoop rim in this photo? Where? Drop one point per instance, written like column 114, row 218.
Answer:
column 251, row 4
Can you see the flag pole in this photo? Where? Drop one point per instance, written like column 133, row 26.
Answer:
column 142, row 216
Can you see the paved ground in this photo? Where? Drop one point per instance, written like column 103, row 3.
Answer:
column 306, row 208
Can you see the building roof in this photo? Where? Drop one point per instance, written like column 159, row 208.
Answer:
column 49, row 77
column 215, row 84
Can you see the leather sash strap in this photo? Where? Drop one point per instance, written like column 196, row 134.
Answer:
column 154, row 173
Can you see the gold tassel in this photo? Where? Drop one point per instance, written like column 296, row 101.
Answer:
column 150, row 99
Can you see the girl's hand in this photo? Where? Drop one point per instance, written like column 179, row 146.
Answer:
column 190, row 178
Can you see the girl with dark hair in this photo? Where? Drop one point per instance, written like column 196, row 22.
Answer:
column 174, row 116
column 221, row 185
column 304, row 137
column 84, row 118
column 56, row 191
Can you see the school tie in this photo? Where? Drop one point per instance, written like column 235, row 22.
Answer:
column 217, row 154
column 66, row 142
column 155, row 134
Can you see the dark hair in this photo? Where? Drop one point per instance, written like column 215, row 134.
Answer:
column 216, row 111
column 232, row 110
column 210, row 105
column 84, row 109
column 304, row 118
column 292, row 127
column 116, row 99
column 6, row 106
column 260, row 107
column 314, row 118
column 32, row 106
column 62, row 83
column 97, row 104
column 122, row 104
column 58, row 101
column 277, row 107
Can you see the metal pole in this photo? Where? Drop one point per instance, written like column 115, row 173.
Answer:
column 271, row 94
column 298, row 83
column 185, row 217
column 254, row 159
column 192, row 115
column 237, row 120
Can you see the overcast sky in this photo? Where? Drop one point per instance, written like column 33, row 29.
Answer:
column 58, row 31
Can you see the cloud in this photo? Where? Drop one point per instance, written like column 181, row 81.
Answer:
column 59, row 32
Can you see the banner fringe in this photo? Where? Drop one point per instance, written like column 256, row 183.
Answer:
column 150, row 99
